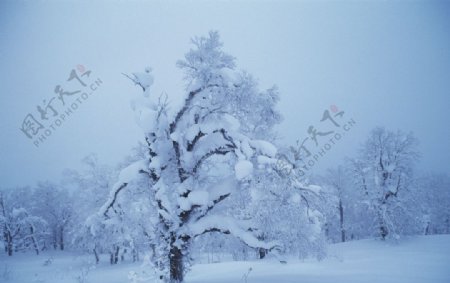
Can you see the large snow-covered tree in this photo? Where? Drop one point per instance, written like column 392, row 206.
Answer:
column 383, row 171
column 200, row 156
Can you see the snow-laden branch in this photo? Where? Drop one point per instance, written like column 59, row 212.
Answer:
column 204, row 200
column 187, row 105
column 126, row 176
column 228, row 225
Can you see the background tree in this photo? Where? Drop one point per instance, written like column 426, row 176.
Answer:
column 430, row 204
column 54, row 204
column 90, row 188
column 383, row 171
column 339, row 201
column 21, row 229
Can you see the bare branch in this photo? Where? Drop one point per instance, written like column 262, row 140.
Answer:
column 134, row 81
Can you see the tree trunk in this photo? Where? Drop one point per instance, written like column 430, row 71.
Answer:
column 97, row 259
column 262, row 253
column 135, row 255
column 61, row 238
column 327, row 230
column 10, row 249
column 54, row 238
column 382, row 222
column 116, row 255
column 33, row 239
column 383, row 232
column 176, row 265
column 341, row 220
column 383, row 229
column 175, row 261
column 9, row 244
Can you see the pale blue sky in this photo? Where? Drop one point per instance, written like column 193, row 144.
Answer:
column 384, row 63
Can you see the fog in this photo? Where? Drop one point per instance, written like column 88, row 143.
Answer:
column 381, row 63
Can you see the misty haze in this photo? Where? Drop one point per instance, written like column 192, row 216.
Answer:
column 224, row 142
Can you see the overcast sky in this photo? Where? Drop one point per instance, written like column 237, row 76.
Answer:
column 382, row 63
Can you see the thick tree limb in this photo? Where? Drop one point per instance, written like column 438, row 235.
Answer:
column 210, row 207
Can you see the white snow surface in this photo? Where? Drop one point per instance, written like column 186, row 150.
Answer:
column 194, row 198
column 264, row 147
column 132, row 171
column 243, row 169
column 420, row 259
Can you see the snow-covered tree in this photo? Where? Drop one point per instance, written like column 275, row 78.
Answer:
column 338, row 199
column 130, row 227
column 54, row 204
column 91, row 187
column 201, row 156
column 21, row 230
column 384, row 171
column 346, row 213
column 286, row 208
column 430, row 204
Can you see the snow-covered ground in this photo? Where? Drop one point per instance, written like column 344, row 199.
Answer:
column 415, row 259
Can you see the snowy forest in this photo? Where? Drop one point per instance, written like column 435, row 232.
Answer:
column 213, row 193
column 213, row 179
